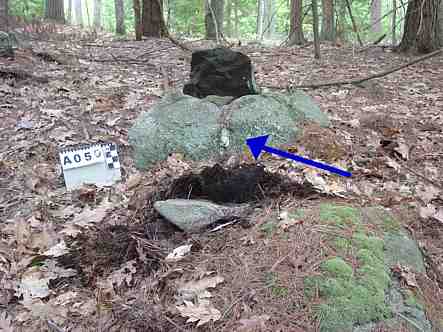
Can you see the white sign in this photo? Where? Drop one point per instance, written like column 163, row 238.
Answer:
column 82, row 157
column 98, row 164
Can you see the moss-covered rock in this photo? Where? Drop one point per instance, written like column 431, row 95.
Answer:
column 204, row 128
column 356, row 287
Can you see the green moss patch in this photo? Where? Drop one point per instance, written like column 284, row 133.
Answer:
column 352, row 287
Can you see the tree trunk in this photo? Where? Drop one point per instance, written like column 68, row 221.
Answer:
column 354, row 24
column 341, row 24
column 214, row 18
column 376, row 24
column 78, row 12
column 328, row 22
column 55, row 10
column 394, row 22
column 270, row 19
column 440, row 23
column 153, row 23
column 296, row 36
column 4, row 25
column 138, row 27
column 228, row 29
column 119, row 17
column 260, row 18
column 421, row 31
column 97, row 14
column 315, row 28
column 70, row 12
column 236, row 20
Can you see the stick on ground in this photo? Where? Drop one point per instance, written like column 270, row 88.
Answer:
column 367, row 78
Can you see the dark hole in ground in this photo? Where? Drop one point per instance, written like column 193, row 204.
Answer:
column 243, row 184
column 97, row 252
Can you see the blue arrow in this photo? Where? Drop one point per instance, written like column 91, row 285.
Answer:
column 258, row 144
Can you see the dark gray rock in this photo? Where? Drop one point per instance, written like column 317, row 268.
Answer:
column 221, row 72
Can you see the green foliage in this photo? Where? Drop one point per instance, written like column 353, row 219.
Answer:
column 187, row 17
column 26, row 9
column 108, row 15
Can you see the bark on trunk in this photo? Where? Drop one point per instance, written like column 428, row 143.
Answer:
column 70, row 12
column 137, row 20
column 4, row 25
column 78, row 12
column 55, row 10
column 440, row 23
column 421, row 31
column 214, row 18
column 119, row 17
column 228, row 16
column 153, row 23
column 97, row 14
column 270, row 19
column 328, row 22
column 341, row 24
column 394, row 22
column 296, row 36
column 354, row 24
column 236, row 20
column 376, row 16
column 260, row 18
column 315, row 28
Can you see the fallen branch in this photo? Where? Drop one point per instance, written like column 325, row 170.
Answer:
column 180, row 45
column 367, row 78
column 21, row 75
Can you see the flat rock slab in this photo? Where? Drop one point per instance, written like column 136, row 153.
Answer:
column 195, row 215
column 201, row 129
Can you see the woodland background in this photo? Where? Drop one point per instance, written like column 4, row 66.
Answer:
column 417, row 24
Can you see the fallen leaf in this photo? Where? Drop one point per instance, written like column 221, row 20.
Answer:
column 201, row 313
column 427, row 211
column 427, row 193
column 87, row 218
column 6, row 322
column 58, row 250
column 124, row 274
column 133, row 181
column 34, row 284
column 198, row 289
column 403, row 150
column 179, row 253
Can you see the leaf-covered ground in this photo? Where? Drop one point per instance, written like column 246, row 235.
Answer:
column 96, row 258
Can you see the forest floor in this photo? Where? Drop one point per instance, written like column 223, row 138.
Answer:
column 62, row 93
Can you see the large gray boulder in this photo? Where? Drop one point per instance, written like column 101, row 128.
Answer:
column 204, row 128
column 178, row 123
